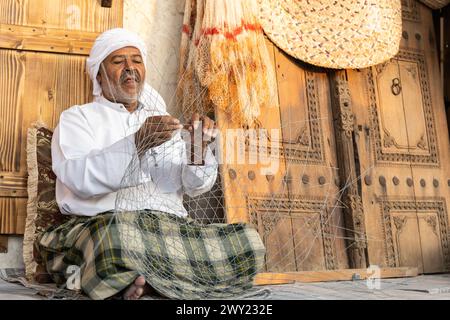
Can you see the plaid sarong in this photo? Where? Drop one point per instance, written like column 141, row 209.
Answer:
column 180, row 258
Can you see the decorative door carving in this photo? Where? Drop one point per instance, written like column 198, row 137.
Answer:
column 296, row 208
column 403, row 151
column 364, row 155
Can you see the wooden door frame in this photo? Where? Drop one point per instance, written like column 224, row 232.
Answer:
column 344, row 123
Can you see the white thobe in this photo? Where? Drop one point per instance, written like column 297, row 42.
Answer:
column 94, row 158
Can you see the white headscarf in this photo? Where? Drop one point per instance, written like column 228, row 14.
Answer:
column 106, row 43
column 110, row 41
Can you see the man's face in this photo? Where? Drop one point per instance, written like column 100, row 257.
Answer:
column 122, row 75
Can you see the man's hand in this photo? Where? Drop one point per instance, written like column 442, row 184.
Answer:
column 203, row 130
column 155, row 131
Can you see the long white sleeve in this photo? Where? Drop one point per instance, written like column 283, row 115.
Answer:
column 83, row 167
column 92, row 151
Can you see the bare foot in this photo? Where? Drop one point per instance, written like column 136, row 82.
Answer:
column 138, row 289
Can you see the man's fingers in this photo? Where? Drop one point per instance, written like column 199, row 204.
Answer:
column 215, row 132
column 155, row 131
column 195, row 116
column 164, row 135
column 170, row 120
column 154, row 141
column 169, row 127
column 208, row 126
column 210, row 134
column 165, row 127
column 162, row 120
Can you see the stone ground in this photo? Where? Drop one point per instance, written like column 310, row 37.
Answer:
column 425, row 287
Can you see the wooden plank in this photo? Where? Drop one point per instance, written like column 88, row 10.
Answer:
column 7, row 210
column 46, row 39
column 255, row 191
column 78, row 15
column 12, row 215
column 432, row 193
column 52, row 93
column 263, row 279
column 403, row 150
column 332, row 275
column 11, row 80
column 12, row 155
column 47, row 95
column 3, row 244
column 43, row 45
column 13, row 193
column 12, row 184
column 311, row 166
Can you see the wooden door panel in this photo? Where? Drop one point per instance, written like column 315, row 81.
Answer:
column 67, row 84
column 278, row 238
column 418, row 240
column 296, row 231
column 11, row 80
column 406, row 243
column 402, row 158
column 248, row 177
column 311, row 165
column 426, row 237
column 431, row 172
column 309, row 242
column 401, row 78
column 13, row 180
column 295, row 209
column 13, row 208
column 31, row 93
column 392, row 113
column 300, row 113
column 38, row 85
column 433, row 252
column 62, row 14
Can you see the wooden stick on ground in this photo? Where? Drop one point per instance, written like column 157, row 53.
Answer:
column 332, row 275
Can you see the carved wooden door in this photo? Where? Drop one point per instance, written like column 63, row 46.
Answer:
column 43, row 47
column 382, row 183
column 292, row 199
column 403, row 151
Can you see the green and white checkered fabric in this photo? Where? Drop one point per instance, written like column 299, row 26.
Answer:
column 179, row 258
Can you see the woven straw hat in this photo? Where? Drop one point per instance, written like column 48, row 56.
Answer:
column 334, row 34
column 436, row 4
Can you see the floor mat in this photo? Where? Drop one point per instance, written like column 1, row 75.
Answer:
column 49, row 291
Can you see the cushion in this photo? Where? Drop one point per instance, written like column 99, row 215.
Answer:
column 42, row 209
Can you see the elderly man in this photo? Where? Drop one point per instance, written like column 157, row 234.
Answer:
column 124, row 156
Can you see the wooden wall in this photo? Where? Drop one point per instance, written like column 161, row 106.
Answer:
column 43, row 47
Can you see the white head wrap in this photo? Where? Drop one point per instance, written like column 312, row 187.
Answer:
column 106, row 43
column 110, row 41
